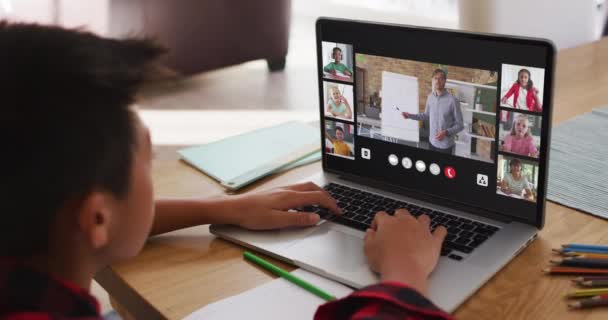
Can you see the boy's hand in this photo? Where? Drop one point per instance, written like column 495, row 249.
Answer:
column 269, row 210
column 402, row 248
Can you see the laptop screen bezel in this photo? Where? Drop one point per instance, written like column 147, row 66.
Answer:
column 543, row 161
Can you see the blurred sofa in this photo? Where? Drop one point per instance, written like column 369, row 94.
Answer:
column 208, row 34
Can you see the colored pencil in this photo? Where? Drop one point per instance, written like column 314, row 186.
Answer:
column 570, row 270
column 585, row 246
column 590, row 278
column 585, row 255
column 288, row 276
column 597, row 301
column 594, row 283
column 587, row 293
column 585, row 250
column 581, row 262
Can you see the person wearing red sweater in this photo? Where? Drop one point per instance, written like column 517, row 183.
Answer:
column 77, row 194
column 525, row 95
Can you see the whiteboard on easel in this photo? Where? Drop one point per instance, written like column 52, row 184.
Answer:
column 399, row 94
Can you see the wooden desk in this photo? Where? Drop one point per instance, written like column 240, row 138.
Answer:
column 182, row 271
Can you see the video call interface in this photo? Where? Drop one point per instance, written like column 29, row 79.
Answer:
column 465, row 133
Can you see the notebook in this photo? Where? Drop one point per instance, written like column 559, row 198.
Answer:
column 277, row 299
column 240, row 160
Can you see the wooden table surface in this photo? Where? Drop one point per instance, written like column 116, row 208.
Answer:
column 179, row 272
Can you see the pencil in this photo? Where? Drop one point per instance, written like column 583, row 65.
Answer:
column 594, row 283
column 584, row 249
column 571, row 270
column 581, row 262
column 587, row 293
column 590, row 278
column 596, row 301
column 585, row 246
column 288, row 276
column 584, row 255
column 568, row 251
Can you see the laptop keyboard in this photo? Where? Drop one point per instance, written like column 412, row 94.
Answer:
column 360, row 207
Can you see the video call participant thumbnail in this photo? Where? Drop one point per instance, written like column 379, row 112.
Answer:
column 515, row 183
column 340, row 145
column 519, row 140
column 337, row 65
column 525, row 94
column 337, row 104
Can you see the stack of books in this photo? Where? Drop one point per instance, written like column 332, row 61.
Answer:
column 590, row 262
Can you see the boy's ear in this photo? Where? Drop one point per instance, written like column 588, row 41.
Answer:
column 94, row 219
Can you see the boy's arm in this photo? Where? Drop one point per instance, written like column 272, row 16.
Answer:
column 403, row 251
column 257, row 211
column 383, row 301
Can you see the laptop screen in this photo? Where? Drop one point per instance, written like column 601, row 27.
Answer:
column 460, row 118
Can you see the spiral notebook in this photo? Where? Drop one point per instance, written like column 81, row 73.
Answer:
column 240, row 160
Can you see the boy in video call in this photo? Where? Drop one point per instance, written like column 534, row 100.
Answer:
column 90, row 202
column 338, row 106
column 442, row 113
column 519, row 140
column 337, row 65
column 525, row 95
column 339, row 146
column 515, row 183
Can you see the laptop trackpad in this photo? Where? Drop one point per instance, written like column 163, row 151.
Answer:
column 330, row 249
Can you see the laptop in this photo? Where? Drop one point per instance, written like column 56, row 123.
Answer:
column 485, row 180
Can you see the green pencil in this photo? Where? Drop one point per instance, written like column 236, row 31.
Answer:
column 288, row 276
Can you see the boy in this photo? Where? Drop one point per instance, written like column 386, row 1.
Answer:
column 77, row 194
column 337, row 65
column 340, row 147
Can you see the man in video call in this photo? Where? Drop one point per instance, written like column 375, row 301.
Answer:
column 442, row 113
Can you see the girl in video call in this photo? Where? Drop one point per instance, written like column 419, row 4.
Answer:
column 525, row 95
column 514, row 183
column 519, row 140
column 338, row 106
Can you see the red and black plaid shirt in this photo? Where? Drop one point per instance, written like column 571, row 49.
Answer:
column 383, row 301
column 31, row 295
column 26, row 294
